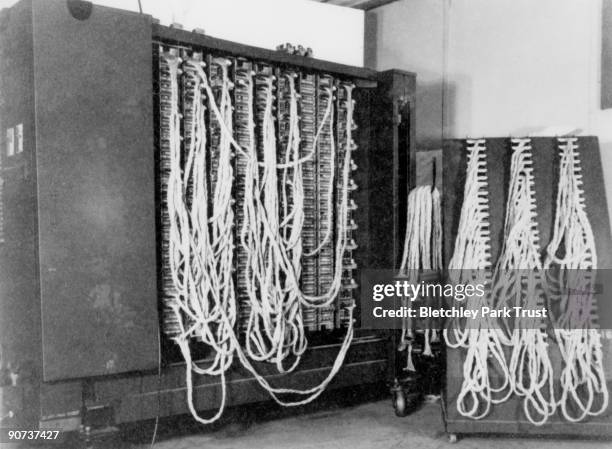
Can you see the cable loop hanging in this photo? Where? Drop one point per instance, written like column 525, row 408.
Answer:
column 201, row 228
column 572, row 314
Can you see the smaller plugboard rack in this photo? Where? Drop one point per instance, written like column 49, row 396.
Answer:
column 508, row 417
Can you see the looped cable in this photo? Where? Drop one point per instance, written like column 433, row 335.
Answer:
column 201, row 235
column 582, row 380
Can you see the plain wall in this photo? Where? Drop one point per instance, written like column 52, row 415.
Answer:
column 513, row 67
column 408, row 35
column 334, row 33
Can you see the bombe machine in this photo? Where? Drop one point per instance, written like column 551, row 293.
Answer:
column 184, row 218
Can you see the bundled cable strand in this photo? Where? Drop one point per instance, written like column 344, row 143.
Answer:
column 326, row 298
column 342, row 242
column 292, row 277
column 571, row 255
column 272, row 238
column 422, row 251
column 518, row 283
column 201, row 292
column 201, row 237
column 344, row 125
column 423, row 239
column 472, row 251
column 471, row 263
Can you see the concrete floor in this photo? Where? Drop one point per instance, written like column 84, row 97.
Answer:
column 365, row 426
column 370, row 425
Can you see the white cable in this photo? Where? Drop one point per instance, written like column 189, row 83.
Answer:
column 472, row 244
column 201, row 242
column 201, row 238
column 470, row 264
column 518, row 283
column 422, row 251
column 578, row 339
column 275, row 329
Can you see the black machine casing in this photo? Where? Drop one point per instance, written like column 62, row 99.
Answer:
column 79, row 259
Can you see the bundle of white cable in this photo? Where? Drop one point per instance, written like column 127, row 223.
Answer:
column 326, row 298
column 201, row 243
column 423, row 239
column 272, row 239
column 422, row 251
column 470, row 264
column 518, row 282
column 582, row 377
column 472, row 251
column 277, row 243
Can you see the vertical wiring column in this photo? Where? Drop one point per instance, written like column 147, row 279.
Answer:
column 170, row 324
column 471, row 263
column 284, row 140
column 570, row 263
column 518, row 282
column 187, row 86
column 242, row 199
column 325, row 88
column 243, row 94
column 310, row 230
column 214, row 129
column 344, row 128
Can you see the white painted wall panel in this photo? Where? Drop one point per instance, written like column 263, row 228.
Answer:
column 514, row 66
column 334, row 33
